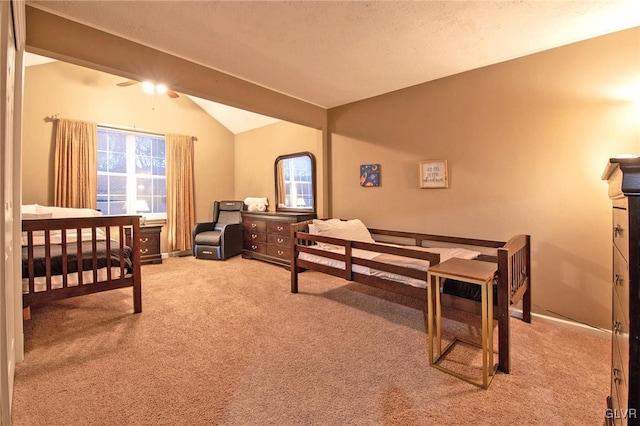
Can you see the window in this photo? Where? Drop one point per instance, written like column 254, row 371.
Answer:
column 298, row 182
column 131, row 173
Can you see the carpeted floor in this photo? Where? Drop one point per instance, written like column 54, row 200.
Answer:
column 227, row 343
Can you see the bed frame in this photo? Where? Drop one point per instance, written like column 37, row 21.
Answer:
column 512, row 257
column 114, row 230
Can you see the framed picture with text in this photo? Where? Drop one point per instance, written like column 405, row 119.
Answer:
column 433, row 174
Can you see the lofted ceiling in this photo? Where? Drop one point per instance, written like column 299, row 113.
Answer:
column 234, row 119
column 330, row 53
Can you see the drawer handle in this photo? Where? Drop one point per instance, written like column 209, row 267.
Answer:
column 253, row 225
column 617, row 280
column 617, row 327
column 280, row 228
column 280, row 240
column 617, row 231
column 254, row 236
column 144, row 250
column 254, row 247
column 144, row 239
column 616, row 375
column 280, row 252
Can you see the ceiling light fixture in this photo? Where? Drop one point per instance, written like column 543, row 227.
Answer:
column 151, row 88
column 148, row 87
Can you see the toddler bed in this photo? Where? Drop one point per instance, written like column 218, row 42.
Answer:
column 72, row 252
column 397, row 261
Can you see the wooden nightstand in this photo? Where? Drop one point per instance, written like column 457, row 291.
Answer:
column 149, row 243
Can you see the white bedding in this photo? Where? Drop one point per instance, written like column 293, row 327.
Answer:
column 419, row 264
column 36, row 211
column 56, row 236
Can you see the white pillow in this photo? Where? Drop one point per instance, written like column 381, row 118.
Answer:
column 353, row 229
column 63, row 212
column 29, row 208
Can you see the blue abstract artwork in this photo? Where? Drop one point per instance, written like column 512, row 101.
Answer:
column 370, row 175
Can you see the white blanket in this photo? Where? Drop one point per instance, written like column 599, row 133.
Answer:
column 56, row 236
column 419, row 264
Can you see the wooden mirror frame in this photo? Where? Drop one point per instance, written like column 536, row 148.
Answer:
column 280, row 205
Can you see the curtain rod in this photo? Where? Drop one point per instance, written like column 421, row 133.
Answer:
column 55, row 117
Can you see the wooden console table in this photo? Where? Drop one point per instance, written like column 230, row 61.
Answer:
column 474, row 272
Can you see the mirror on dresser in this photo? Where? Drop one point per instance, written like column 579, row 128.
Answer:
column 295, row 180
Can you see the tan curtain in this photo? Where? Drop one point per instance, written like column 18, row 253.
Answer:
column 180, row 198
column 76, row 164
column 281, row 194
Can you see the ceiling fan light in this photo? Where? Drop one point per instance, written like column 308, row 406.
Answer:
column 161, row 88
column 148, row 87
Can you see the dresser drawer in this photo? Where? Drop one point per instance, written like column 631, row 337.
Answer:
column 149, row 243
column 279, row 240
column 279, row 252
column 255, row 236
column 621, row 231
column 281, row 228
column 619, row 386
column 254, row 225
column 620, row 282
column 255, row 247
column 613, row 413
column 621, row 336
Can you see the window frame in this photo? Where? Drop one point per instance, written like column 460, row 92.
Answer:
column 131, row 193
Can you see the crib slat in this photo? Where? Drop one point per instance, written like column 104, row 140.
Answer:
column 94, row 246
column 108, row 241
column 79, row 248
column 30, row 261
column 65, row 259
column 47, row 251
column 121, row 252
column 347, row 261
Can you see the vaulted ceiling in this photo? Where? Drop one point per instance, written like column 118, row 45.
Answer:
column 333, row 53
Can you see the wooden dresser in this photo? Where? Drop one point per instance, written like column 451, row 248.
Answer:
column 623, row 176
column 266, row 235
column 149, row 243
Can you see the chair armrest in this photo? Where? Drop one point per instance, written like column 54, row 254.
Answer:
column 201, row 227
column 231, row 239
column 198, row 228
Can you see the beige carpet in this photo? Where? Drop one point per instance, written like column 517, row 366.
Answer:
column 227, row 343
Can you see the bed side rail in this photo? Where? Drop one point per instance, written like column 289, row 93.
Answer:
column 303, row 242
column 419, row 238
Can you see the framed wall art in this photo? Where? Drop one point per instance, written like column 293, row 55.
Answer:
column 433, row 174
column 370, row 175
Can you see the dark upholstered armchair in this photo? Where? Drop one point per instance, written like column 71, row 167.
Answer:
column 221, row 238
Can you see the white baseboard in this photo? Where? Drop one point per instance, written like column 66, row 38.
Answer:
column 572, row 325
